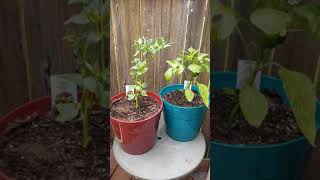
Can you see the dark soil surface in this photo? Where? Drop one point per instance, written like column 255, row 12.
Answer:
column 178, row 98
column 126, row 110
column 278, row 126
column 43, row 149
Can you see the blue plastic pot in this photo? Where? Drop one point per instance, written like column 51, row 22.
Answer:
column 283, row 161
column 182, row 123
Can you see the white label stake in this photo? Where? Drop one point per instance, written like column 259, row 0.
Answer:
column 245, row 68
column 129, row 89
column 186, row 84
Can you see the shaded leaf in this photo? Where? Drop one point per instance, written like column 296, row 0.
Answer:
column 226, row 26
column 78, row 19
column 254, row 105
column 302, row 100
column 90, row 84
column 67, row 111
column 93, row 37
column 271, row 21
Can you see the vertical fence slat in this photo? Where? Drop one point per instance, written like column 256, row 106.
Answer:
column 44, row 25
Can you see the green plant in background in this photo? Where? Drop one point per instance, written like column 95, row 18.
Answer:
column 147, row 49
column 196, row 63
column 87, row 37
column 271, row 21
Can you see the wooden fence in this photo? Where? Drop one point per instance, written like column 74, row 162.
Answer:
column 186, row 23
column 31, row 48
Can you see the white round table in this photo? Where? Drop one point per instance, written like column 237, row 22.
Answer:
column 168, row 159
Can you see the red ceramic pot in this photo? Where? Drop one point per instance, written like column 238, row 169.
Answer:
column 39, row 106
column 137, row 137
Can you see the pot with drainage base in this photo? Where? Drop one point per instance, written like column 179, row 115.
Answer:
column 182, row 123
column 135, row 114
column 185, row 105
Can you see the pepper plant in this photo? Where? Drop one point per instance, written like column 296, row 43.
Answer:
column 87, row 36
column 271, row 20
column 191, row 62
column 146, row 51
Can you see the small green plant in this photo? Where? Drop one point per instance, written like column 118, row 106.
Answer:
column 193, row 63
column 88, row 39
column 147, row 49
column 271, row 20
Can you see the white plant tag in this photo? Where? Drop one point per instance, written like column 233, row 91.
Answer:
column 129, row 89
column 62, row 90
column 245, row 68
column 186, row 84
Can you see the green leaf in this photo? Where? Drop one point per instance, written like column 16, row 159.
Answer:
column 226, row 26
column 271, row 21
column 204, row 93
column 299, row 90
column 189, row 94
column 254, row 105
column 93, row 37
column 173, row 63
column 130, row 97
column 309, row 15
column 168, row 74
column 78, row 19
column 90, row 84
column 195, row 68
column 224, row 20
column 103, row 99
column 67, row 111
column 143, row 93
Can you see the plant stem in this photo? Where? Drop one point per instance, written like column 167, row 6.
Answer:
column 244, row 42
column 273, row 50
column 137, row 104
column 316, row 75
column 85, row 123
column 233, row 113
column 226, row 58
column 102, row 31
column 25, row 47
column 257, row 66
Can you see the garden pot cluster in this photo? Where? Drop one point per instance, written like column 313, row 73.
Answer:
column 137, row 134
column 182, row 123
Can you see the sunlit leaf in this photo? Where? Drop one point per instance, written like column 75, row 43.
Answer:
column 189, row 94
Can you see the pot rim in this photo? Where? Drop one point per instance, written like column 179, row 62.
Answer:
column 179, row 107
column 258, row 146
column 122, row 94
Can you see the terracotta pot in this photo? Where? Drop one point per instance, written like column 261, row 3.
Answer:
column 137, row 137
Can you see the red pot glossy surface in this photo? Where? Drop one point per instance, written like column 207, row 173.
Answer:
column 137, row 137
column 39, row 106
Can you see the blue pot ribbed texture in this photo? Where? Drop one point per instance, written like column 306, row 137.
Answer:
column 283, row 161
column 182, row 123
